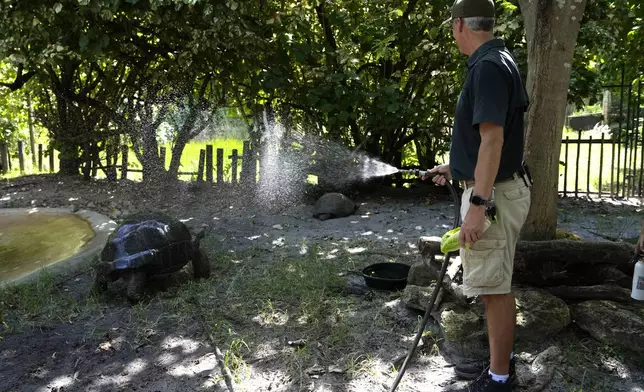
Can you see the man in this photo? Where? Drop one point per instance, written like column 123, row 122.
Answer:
column 486, row 157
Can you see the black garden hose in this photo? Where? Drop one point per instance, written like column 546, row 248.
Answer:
column 439, row 283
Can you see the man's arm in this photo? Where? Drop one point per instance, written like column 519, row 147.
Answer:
column 491, row 92
column 489, row 158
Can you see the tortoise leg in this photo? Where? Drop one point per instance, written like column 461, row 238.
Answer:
column 102, row 278
column 100, row 283
column 135, row 285
column 201, row 265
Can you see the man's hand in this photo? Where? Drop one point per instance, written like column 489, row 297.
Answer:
column 473, row 225
column 443, row 174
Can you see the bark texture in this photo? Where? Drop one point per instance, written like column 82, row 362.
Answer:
column 551, row 27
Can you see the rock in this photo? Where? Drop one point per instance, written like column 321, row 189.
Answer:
column 538, row 377
column 539, row 314
column 333, row 205
column 463, row 330
column 421, row 275
column 611, row 322
column 417, row 297
column 91, row 205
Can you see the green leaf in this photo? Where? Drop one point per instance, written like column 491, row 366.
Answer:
column 83, row 41
column 58, row 7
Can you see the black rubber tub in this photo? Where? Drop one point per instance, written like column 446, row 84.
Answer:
column 386, row 276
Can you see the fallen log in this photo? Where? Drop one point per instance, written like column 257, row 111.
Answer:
column 563, row 262
column 583, row 293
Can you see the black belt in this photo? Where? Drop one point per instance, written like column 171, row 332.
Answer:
column 523, row 173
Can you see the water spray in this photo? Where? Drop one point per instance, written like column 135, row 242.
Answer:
column 439, row 282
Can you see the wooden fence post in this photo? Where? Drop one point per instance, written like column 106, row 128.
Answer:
column 250, row 161
column 590, row 154
column 220, row 165
column 233, row 162
column 4, row 157
column 202, row 158
column 577, row 164
column 51, row 159
column 566, row 168
column 111, row 153
column 246, row 163
column 601, row 164
column 21, row 155
column 162, row 156
column 40, row 155
column 209, row 163
column 124, row 150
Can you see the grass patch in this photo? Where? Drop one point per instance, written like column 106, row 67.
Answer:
column 254, row 304
column 586, row 364
column 265, row 300
column 40, row 303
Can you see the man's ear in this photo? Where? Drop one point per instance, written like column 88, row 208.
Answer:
column 459, row 24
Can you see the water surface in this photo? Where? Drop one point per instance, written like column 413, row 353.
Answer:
column 34, row 240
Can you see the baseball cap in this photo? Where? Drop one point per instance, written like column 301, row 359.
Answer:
column 471, row 8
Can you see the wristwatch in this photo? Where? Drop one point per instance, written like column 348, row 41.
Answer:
column 477, row 200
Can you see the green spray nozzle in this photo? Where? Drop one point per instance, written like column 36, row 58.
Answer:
column 450, row 241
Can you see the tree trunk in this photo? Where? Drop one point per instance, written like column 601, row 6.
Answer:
column 70, row 160
column 551, row 31
column 32, row 138
column 175, row 162
column 153, row 167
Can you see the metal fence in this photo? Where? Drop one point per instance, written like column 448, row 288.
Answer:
column 607, row 161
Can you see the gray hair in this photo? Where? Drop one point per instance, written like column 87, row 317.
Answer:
column 479, row 23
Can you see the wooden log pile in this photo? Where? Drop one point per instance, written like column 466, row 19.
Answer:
column 571, row 270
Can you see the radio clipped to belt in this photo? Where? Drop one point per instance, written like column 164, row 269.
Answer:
column 490, row 208
column 525, row 174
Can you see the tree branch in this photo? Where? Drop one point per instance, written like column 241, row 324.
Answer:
column 21, row 79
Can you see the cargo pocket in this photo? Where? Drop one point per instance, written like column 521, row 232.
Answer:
column 483, row 263
column 517, row 193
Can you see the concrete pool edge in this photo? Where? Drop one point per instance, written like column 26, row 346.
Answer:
column 101, row 224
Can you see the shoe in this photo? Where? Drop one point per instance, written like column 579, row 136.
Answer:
column 468, row 371
column 484, row 383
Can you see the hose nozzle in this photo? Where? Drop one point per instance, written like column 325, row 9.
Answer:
column 416, row 172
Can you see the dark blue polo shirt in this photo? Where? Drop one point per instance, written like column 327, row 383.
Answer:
column 493, row 92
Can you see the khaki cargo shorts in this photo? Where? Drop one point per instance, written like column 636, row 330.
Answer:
column 488, row 264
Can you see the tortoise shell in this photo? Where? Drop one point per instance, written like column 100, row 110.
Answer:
column 158, row 242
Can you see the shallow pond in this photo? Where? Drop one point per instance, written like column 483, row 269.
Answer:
column 30, row 241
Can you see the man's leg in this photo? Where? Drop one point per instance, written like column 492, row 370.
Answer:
column 500, row 311
column 487, row 273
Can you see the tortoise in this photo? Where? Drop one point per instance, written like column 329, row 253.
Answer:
column 146, row 244
column 333, row 205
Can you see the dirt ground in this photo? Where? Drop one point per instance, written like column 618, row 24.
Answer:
column 277, row 313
